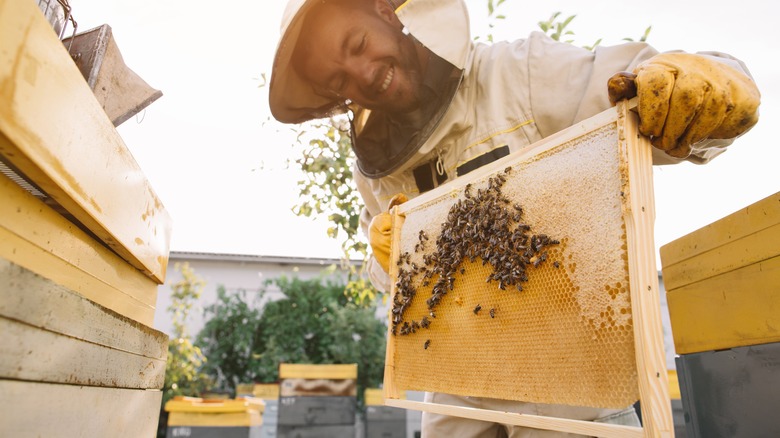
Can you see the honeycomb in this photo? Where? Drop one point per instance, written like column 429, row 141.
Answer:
column 567, row 336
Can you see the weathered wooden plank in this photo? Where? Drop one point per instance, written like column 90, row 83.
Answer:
column 38, row 302
column 31, row 409
column 734, row 309
column 738, row 225
column 41, row 240
column 53, row 130
column 44, row 263
column 34, row 354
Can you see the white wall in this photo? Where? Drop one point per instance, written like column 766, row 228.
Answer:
column 234, row 272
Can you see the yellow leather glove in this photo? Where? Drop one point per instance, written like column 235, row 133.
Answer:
column 380, row 230
column 686, row 98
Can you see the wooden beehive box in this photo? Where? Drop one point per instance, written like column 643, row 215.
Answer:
column 317, row 400
column 196, row 417
column 723, row 281
column 83, row 248
column 534, row 279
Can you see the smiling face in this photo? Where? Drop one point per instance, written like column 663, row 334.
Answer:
column 359, row 53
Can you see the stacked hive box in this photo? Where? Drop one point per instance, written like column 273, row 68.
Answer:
column 723, row 290
column 198, row 418
column 383, row 421
column 83, row 247
column 317, row 401
column 269, row 393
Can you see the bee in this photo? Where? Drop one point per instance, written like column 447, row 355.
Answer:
column 557, row 264
column 467, row 191
column 427, row 344
column 493, row 312
column 477, row 309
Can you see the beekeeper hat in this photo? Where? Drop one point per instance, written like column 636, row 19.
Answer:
column 291, row 97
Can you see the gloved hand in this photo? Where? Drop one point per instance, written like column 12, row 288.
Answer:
column 686, row 98
column 379, row 232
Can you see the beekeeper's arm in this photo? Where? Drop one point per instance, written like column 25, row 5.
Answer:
column 693, row 105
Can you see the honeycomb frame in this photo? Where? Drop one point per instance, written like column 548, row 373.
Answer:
column 575, row 334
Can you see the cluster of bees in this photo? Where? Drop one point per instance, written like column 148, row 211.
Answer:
column 483, row 225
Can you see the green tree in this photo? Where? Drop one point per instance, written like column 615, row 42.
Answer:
column 182, row 368
column 229, row 338
column 327, row 189
column 314, row 322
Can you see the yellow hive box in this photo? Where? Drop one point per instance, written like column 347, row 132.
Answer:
column 266, row 391
column 193, row 411
column 309, row 371
column 723, row 281
column 374, row 397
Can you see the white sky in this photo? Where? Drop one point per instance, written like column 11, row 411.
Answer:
column 218, row 161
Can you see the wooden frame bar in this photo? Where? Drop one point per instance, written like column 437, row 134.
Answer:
column 639, row 215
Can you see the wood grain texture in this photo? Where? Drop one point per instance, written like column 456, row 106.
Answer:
column 34, row 354
column 738, row 225
column 734, row 309
column 643, row 275
column 29, row 409
column 53, row 130
column 36, row 301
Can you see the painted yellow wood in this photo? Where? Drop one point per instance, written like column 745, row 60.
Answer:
column 587, row 428
column 199, row 419
column 218, row 406
column 373, row 397
column 36, row 237
column 33, row 354
column 266, row 391
column 19, row 251
column 39, row 302
column 674, row 385
column 309, row 371
column 55, row 132
column 732, row 255
column 752, row 219
column 734, row 309
column 31, row 409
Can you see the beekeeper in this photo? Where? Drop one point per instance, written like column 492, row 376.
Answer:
column 428, row 105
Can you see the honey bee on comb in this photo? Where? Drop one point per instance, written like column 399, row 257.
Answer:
column 487, row 226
